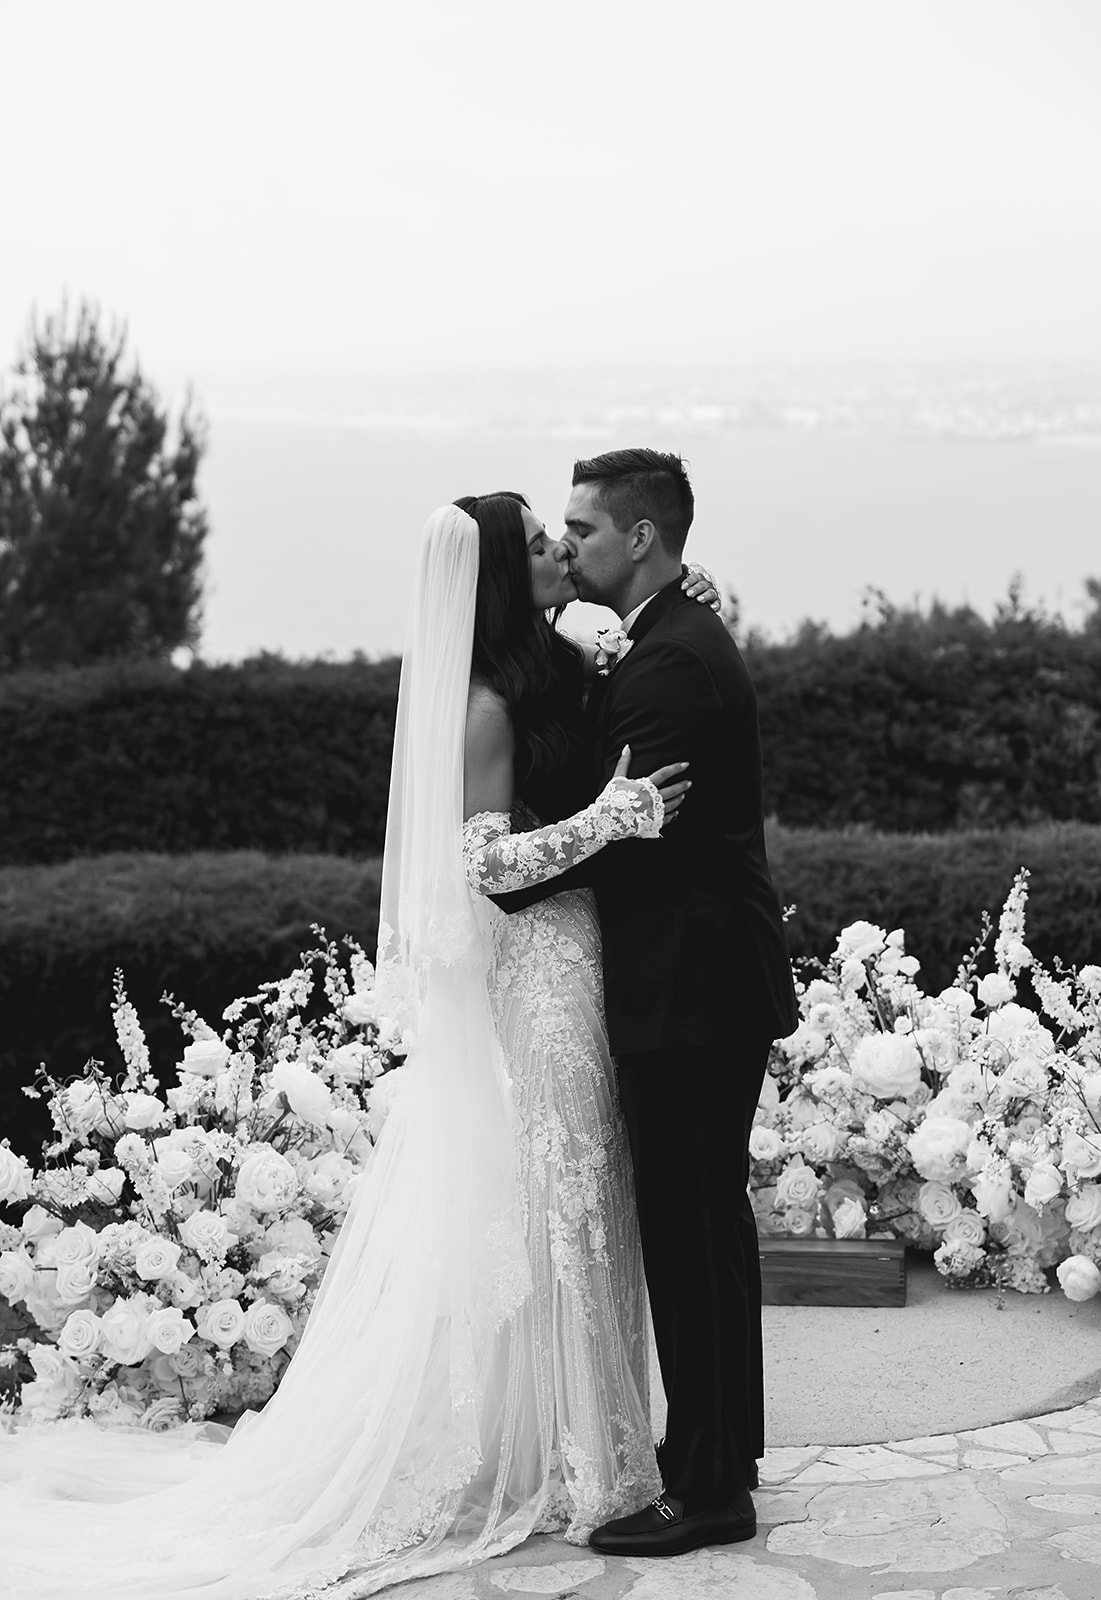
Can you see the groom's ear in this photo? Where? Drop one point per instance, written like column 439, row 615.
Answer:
column 643, row 538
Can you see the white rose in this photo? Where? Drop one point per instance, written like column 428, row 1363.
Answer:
column 208, row 1234
column 849, row 1220
column 1090, row 979
column 996, row 989
column 75, row 1281
column 168, row 1329
column 267, row 1328
column 350, row 1063
column 174, row 1166
column 188, row 1361
column 887, row 1065
column 293, row 1236
column 959, row 1001
column 1045, row 1183
column 967, row 1229
column 16, row 1275
column 1081, row 1156
column 106, row 1185
column 38, row 1223
column 1083, row 1208
column 183, row 1291
column 117, row 1406
column 861, row 940
column 164, row 1413
column 937, row 1146
column 878, row 1126
column 938, row 1204
column 53, row 1367
column 798, row 1222
column 206, row 1058
column 797, row 1186
column 361, row 1008
column 821, row 1141
column 80, row 1336
column 15, row 1176
column 768, row 1100
column 1079, row 1278
column 266, row 1181
column 122, row 1331
column 765, row 1144
column 327, row 1176
column 156, row 1258
column 222, row 1323
column 142, row 1111
column 78, row 1243
column 308, row 1096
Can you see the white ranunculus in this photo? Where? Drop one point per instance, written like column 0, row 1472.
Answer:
column 1081, row 1156
column 122, row 1330
column 967, row 1228
column 937, row 1147
column 75, row 1281
column 1084, row 1208
column 267, row 1328
column 1045, row 1183
column 266, row 1181
column 996, row 989
column 208, row 1234
column 222, row 1323
column 850, row 1220
column 141, row 1111
column 308, row 1095
column 327, row 1176
column 15, row 1176
column 765, row 1144
column 206, row 1058
column 993, row 1193
column 351, row 1063
column 938, row 1204
column 106, row 1185
column 80, row 1336
column 887, row 1065
column 16, row 1275
column 168, row 1329
column 798, row 1186
column 1079, row 1278
column 156, row 1258
column 77, row 1243
column 860, row 939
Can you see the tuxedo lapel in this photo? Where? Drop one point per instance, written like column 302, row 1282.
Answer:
column 663, row 601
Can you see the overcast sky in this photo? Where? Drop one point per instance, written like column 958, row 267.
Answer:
column 264, row 187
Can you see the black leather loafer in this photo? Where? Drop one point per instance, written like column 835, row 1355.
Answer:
column 661, row 1529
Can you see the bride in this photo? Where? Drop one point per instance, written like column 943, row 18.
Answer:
column 475, row 1366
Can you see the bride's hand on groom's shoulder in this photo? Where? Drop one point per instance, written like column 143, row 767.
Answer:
column 699, row 584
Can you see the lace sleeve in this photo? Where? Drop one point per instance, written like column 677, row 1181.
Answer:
column 497, row 860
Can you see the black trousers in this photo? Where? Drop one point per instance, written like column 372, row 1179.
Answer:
column 689, row 1116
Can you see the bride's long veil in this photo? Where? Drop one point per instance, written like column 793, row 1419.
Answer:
column 399, row 1441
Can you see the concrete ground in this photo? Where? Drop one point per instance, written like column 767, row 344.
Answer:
column 900, row 1467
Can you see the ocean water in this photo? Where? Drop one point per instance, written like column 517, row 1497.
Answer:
column 316, row 521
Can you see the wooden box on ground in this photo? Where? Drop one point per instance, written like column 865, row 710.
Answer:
column 833, row 1272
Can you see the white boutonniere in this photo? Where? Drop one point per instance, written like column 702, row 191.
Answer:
column 612, row 644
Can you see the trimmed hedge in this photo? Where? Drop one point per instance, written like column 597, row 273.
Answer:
column 208, row 928
column 914, row 723
column 212, row 927
column 267, row 755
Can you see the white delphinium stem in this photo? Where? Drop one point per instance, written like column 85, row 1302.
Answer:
column 131, row 1039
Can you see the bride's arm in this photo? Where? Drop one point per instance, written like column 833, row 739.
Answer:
column 496, row 859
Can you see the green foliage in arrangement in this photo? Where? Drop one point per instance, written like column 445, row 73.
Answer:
column 101, row 530
column 937, row 886
column 211, row 927
column 207, row 928
column 142, row 756
column 934, row 720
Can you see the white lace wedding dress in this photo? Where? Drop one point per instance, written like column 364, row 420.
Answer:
column 472, row 1373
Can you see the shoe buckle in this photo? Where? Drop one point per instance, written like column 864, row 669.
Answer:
column 666, row 1511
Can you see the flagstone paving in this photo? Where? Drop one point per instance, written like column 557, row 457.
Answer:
column 1009, row 1512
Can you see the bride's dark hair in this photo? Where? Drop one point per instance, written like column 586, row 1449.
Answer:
column 519, row 651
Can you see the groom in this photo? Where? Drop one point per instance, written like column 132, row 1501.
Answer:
column 697, row 985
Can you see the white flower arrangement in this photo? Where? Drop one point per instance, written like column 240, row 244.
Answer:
column 962, row 1122
column 173, row 1243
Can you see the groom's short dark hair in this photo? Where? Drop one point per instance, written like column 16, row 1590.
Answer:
column 633, row 485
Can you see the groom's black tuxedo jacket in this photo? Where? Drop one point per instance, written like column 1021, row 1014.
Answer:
column 694, row 946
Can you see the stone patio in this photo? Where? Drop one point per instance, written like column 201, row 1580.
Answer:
column 1008, row 1512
